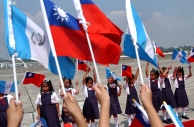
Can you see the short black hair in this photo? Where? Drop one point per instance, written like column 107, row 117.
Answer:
column 180, row 69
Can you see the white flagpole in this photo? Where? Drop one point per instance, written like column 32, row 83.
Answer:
column 52, row 44
column 132, row 28
column 133, row 62
column 77, row 67
column 140, row 108
column 121, row 69
column 15, row 78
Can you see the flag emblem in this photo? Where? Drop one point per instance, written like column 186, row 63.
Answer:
column 61, row 14
column 38, row 39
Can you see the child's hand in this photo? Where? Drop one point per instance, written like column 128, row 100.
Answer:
column 146, row 96
column 169, row 67
column 38, row 117
column 77, row 83
column 147, row 63
column 14, row 113
column 102, row 95
column 176, row 68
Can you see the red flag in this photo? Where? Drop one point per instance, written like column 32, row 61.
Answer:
column 70, row 40
column 190, row 58
column 83, row 66
column 159, row 51
column 126, row 71
column 33, row 78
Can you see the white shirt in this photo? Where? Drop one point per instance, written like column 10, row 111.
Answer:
column 111, row 85
column 8, row 98
column 170, row 77
column 126, row 87
column 73, row 91
column 176, row 82
column 85, row 90
column 54, row 99
column 159, row 80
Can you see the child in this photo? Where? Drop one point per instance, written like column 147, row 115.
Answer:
column 180, row 92
column 47, row 104
column 131, row 91
column 154, row 84
column 167, row 92
column 90, row 108
column 114, row 91
column 4, row 104
column 68, row 88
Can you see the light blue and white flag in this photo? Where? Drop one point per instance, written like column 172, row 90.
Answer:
column 173, row 116
column 7, row 87
column 29, row 41
column 176, row 55
column 137, row 31
column 109, row 74
column 41, row 122
column 185, row 55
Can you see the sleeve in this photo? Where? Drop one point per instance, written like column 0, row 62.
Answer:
column 73, row 91
column 84, row 88
column 38, row 100
column 159, row 82
column 8, row 98
column 170, row 77
column 117, row 89
column 186, row 77
column 126, row 87
column 162, row 83
column 54, row 98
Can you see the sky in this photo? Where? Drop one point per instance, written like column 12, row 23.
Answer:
column 170, row 23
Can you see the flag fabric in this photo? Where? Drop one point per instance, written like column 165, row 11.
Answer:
column 140, row 120
column 41, row 122
column 158, row 50
column 7, row 87
column 190, row 58
column 82, row 66
column 30, row 42
column 137, row 31
column 173, row 116
column 176, row 55
column 185, row 55
column 109, row 74
column 70, row 39
column 126, row 71
column 33, row 78
column 99, row 23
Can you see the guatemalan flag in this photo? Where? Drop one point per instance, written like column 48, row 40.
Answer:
column 126, row 71
column 185, row 55
column 7, row 87
column 29, row 41
column 70, row 39
column 109, row 74
column 176, row 55
column 33, row 78
column 137, row 31
column 82, row 66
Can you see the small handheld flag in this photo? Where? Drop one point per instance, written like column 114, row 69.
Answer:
column 109, row 74
column 33, row 78
column 41, row 122
column 126, row 71
column 82, row 66
column 190, row 58
column 176, row 55
column 7, row 87
column 158, row 50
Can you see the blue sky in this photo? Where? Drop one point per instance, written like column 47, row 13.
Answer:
column 168, row 22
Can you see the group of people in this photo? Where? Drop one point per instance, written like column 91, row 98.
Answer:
column 151, row 95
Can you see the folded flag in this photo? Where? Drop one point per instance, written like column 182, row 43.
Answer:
column 82, row 66
column 176, row 55
column 7, row 87
column 158, row 50
column 137, row 31
column 173, row 116
column 109, row 74
column 190, row 58
column 33, row 78
column 126, row 71
column 68, row 33
column 30, row 42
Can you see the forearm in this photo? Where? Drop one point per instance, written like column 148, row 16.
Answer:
column 146, row 70
column 84, row 78
column 119, row 93
column 104, row 120
column 79, row 119
column 57, row 106
column 190, row 73
column 38, row 110
column 94, row 76
column 77, row 89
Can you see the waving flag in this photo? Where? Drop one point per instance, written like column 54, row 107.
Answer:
column 137, row 31
column 33, row 78
column 185, row 55
column 67, row 34
column 83, row 66
column 109, row 74
column 176, row 55
column 41, row 122
column 190, row 58
column 7, row 87
column 126, row 71
column 158, row 50
column 29, row 41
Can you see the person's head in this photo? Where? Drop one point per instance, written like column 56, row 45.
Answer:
column 110, row 80
column 67, row 83
column 89, row 82
column 180, row 71
column 164, row 69
column 46, row 86
column 132, row 79
column 154, row 74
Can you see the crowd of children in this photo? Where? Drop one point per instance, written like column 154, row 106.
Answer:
column 159, row 82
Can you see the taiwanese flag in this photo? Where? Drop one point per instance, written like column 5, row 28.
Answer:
column 140, row 120
column 70, row 40
column 82, row 66
column 159, row 51
column 33, row 78
column 126, row 71
column 190, row 58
